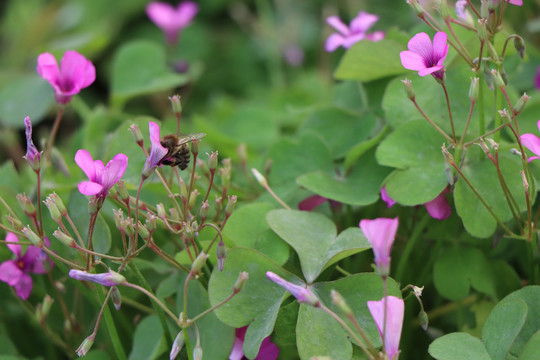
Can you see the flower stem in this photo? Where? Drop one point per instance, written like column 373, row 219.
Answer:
column 441, row 131
column 54, row 130
column 449, row 111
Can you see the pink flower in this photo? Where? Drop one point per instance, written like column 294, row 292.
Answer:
column 75, row 73
column 381, row 233
column 386, row 198
column 110, row 278
column 395, row 308
column 438, row 208
column 101, row 178
column 171, row 20
column 157, row 151
column 516, row 2
column 532, row 142
column 348, row 36
column 16, row 272
column 302, row 294
column 267, row 351
column 425, row 57
column 33, row 156
column 537, row 79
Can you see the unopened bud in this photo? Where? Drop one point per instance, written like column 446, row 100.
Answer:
column 59, row 203
column 493, row 144
column 198, row 263
column 230, row 205
column 221, row 252
column 110, row 278
column 64, row 238
column 213, row 161
column 151, row 221
column 183, row 189
column 122, row 191
column 85, row 346
column 137, row 135
column 193, row 198
column 218, row 204
column 53, row 210
column 484, row 147
column 118, row 216
column 340, row 302
column 116, row 297
column 418, row 10
column 203, row 212
column 423, row 319
column 259, row 177
column 407, row 86
column 505, row 116
column 32, row 236
column 473, row 90
column 195, row 147
column 443, row 10
column 94, row 204
column 241, row 150
column 177, row 345
column 519, row 45
column 128, row 226
column 46, row 305
column 197, row 352
column 497, row 79
column 143, row 232
column 516, row 152
column 14, row 222
column 162, row 214
column 26, row 205
column 240, row 282
column 482, row 30
column 521, row 103
column 447, row 156
column 525, row 181
column 176, row 104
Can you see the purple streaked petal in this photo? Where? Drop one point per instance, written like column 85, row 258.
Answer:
column 185, row 12
column 421, row 44
column 76, row 72
column 430, row 70
column 531, row 142
column 335, row 22
column 23, row 287
column 160, row 13
column 10, row 272
column 302, row 294
column 15, row 248
column 363, row 22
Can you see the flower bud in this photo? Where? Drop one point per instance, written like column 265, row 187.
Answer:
column 53, row 210
column 418, row 10
column 473, row 90
column 26, row 205
column 198, row 263
column 195, row 147
column 418, row 291
column 116, row 297
column 423, row 319
column 260, row 178
column 407, row 85
column 193, row 198
column 64, row 238
column 203, row 212
column 521, row 103
column 443, row 10
column 46, row 305
column 59, row 203
column 482, row 30
column 197, row 352
column 525, row 181
column 447, row 156
column 230, row 205
column 33, row 156
column 340, row 302
column 218, row 204
column 32, row 236
column 85, row 346
column 519, row 45
column 118, row 216
column 143, row 232
column 128, row 226
column 241, row 150
column 94, row 204
column 213, row 161
column 493, row 144
column 505, row 116
column 183, row 189
column 162, row 214
column 302, row 294
column 122, row 191
column 137, row 135
column 151, row 221
column 176, row 104
column 240, row 282
column 497, row 78
column 14, row 222
column 485, row 148
column 177, row 345
column 110, row 278
column 221, row 252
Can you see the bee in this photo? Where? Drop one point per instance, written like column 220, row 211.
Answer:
column 178, row 154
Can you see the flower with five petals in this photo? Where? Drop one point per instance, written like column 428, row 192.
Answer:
column 424, row 56
column 101, row 178
column 347, row 36
column 171, row 20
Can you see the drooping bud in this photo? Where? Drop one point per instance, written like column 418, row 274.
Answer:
column 116, row 297
column 110, row 278
column 197, row 352
column 33, row 156
column 123, row 193
column 259, row 177
column 53, row 210
column 177, row 346
column 198, row 263
column 240, row 282
column 340, row 302
column 85, row 346
column 423, row 319
column 519, row 45
column 26, row 205
column 409, row 91
column 176, row 104
column 32, row 236
column 64, row 238
column 302, row 294
column 473, row 90
column 137, row 135
column 231, row 203
column 521, row 103
column 221, row 252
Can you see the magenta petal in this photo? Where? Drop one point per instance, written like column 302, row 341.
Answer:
column 23, row 287
column 380, row 233
column 376, row 36
column 333, row 42
column 160, row 13
column 394, row 322
column 440, row 47
column 89, row 188
column 86, row 163
column 153, row 128
column 76, row 71
column 363, row 21
column 15, row 248
column 337, row 24
column 412, row 61
column 421, row 44
column 386, row 198
column 438, row 208
column 268, row 350
column 516, row 2
column 185, row 12
column 10, row 273
column 237, row 353
column 531, row 142
column 311, row 202
column 538, row 125
column 47, row 67
column 429, row 70
column 114, row 170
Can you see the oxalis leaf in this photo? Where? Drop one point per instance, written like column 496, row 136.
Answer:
column 314, row 237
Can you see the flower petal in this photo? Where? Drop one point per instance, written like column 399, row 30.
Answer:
column 363, row 21
column 268, row 350
column 429, row 70
column 440, row 47
column 114, row 171
column 237, row 353
column 185, row 12
column 335, row 22
column 10, row 273
column 160, row 13
column 386, row 198
column 380, row 233
column 90, row 188
column 438, row 208
column 47, row 67
column 412, row 61
column 376, row 36
column 333, row 42
column 86, row 163
column 531, row 142
column 76, row 72
column 15, row 248
column 394, row 321
column 23, row 287
column 421, row 44
column 311, row 202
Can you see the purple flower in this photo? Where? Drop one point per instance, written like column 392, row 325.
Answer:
column 33, row 156
column 157, row 151
column 394, row 321
column 425, row 57
column 386, row 198
column 381, row 233
column 267, row 351
column 303, row 295
column 110, row 278
column 16, row 272
column 516, row 2
column 537, row 79
column 438, row 208
column 75, row 73
column 462, row 13
column 171, row 20
column 348, row 36
column 101, row 178
column 532, row 142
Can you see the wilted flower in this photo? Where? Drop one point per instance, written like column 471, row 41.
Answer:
column 16, row 272
column 33, row 156
column 171, row 20
column 424, row 56
column 348, row 36
column 101, row 178
column 532, row 142
column 381, row 233
column 157, row 151
column 267, row 351
column 303, row 295
column 395, row 308
column 75, row 73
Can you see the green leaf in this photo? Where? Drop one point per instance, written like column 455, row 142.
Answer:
column 140, row 68
column 258, row 295
column 258, row 330
column 318, row 334
column 360, row 149
column 532, row 348
column 367, row 60
column 148, row 341
column 458, row 346
column 503, row 326
column 360, row 187
column 247, row 227
column 456, row 269
column 27, row 95
column 329, row 124
column 414, row 149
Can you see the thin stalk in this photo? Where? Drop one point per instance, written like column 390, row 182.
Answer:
column 207, row 311
column 441, row 131
column 462, row 48
column 411, row 245
column 111, row 326
column 40, row 225
column 474, row 9
column 449, row 111
column 54, row 130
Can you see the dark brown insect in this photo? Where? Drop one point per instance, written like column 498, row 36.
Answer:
column 179, row 153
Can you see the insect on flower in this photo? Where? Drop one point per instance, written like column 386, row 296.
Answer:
column 178, row 149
